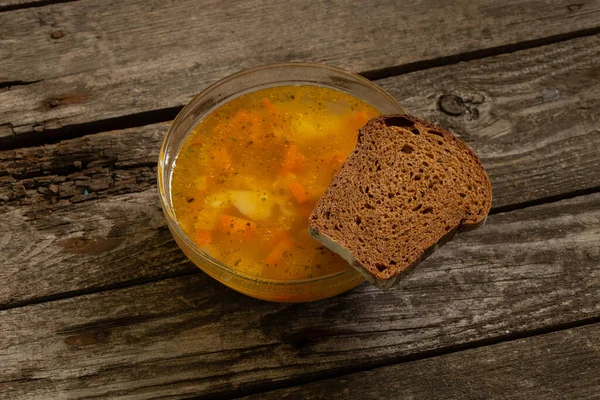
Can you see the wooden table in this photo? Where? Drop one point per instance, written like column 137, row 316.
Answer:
column 97, row 301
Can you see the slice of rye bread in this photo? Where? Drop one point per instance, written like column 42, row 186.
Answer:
column 407, row 188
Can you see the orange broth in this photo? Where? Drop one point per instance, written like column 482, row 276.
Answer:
column 249, row 174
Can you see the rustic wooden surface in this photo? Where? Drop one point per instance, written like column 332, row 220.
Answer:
column 98, row 302
column 526, row 270
column 111, row 59
column 545, row 148
column 561, row 365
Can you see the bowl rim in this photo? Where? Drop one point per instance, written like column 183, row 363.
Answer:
column 172, row 222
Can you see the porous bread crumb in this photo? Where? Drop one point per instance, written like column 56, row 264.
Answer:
column 408, row 187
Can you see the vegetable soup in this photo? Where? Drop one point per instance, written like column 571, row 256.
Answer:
column 249, row 174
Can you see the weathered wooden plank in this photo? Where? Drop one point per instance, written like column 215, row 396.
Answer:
column 82, row 169
column 74, row 63
column 525, row 270
column 88, row 245
column 548, row 149
column 560, row 365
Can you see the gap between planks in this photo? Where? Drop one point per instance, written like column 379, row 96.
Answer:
column 544, row 200
column 389, row 72
column 11, row 5
column 167, row 114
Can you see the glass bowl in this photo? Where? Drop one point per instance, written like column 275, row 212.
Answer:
column 216, row 95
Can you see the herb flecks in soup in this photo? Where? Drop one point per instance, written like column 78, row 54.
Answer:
column 250, row 173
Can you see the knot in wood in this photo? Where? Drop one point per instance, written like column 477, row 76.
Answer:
column 57, row 34
column 451, row 104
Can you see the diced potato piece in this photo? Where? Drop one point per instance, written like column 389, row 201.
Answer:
column 250, row 181
column 287, row 208
column 284, row 198
column 200, row 182
column 206, row 219
column 213, row 206
column 307, row 129
column 255, row 205
column 203, row 223
column 218, row 200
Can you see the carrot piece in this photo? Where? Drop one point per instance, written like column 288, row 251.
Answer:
column 276, row 254
column 300, row 194
column 360, row 118
column 269, row 106
column 244, row 118
column 293, row 160
column 203, row 237
column 221, row 157
column 198, row 140
column 237, row 226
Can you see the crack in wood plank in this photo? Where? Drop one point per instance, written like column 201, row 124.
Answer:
column 12, row 5
column 388, row 72
column 10, row 84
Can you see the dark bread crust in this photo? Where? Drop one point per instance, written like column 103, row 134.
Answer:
column 408, row 187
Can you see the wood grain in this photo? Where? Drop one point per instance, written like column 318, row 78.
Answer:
column 525, row 270
column 561, row 365
column 547, row 149
column 86, row 247
column 87, row 60
column 83, row 169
